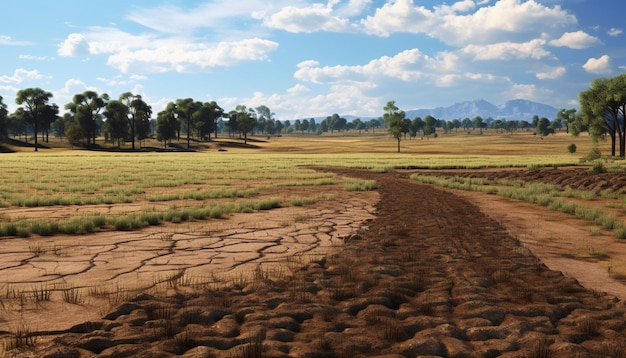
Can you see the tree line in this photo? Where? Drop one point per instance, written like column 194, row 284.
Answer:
column 129, row 119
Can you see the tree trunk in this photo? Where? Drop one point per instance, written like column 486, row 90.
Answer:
column 398, row 144
column 35, row 129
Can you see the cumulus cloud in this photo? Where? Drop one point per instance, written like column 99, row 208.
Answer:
column 316, row 17
column 615, row 32
column 599, row 66
column 74, row 45
column 152, row 53
column 298, row 88
column 576, row 40
column 406, row 66
column 552, row 74
column 488, row 24
column 20, row 75
column 508, row 50
column 190, row 57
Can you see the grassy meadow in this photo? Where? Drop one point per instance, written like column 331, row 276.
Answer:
column 148, row 188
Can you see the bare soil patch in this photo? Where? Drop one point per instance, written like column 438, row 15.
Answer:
column 431, row 275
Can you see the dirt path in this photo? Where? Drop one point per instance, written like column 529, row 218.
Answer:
column 432, row 276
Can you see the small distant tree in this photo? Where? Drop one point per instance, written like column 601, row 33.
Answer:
column 571, row 148
column 395, row 119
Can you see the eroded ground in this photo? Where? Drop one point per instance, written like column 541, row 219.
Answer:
column 432, row 275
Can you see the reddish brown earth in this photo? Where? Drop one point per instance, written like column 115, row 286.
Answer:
column 431, row 275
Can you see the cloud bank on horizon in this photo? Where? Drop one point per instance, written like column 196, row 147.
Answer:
column 305, row 58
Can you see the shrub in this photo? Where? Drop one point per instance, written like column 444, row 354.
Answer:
column 571, row 148
column 597, row 168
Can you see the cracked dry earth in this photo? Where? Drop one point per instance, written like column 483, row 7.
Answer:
column 429, row 276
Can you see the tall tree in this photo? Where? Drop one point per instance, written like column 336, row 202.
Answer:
column 117, row 122
column 138, row 115
column 205, row 118
column 246, row 119
column 36, row 108
column 601, row 106
column 430, row 125
column 4, row 120
column 395, row 119
column 185, row 109
column 166, row 124
column 86, row 108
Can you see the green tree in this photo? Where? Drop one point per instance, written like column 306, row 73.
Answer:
column 167, row 124
column 430, row 125
column 205, row 118
column 4, row 120
column 479, row 123
column 395, row 119
column 36, row 109
column 603, row 106
column 86, row 108
column 246, row 120
column 117, row 123
column 567, row 117
column 138, row 116
column 543, row 127
column 185, row 109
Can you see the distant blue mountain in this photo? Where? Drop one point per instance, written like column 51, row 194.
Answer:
column 517, row 109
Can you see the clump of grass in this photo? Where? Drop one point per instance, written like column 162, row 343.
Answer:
column 302, row 201
column 22, row 337
column 42, row 293
column 354, row 184
column 72, row 295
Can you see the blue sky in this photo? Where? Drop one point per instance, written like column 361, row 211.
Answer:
column 307, row 59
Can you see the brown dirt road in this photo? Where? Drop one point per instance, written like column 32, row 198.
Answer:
column 431, row 276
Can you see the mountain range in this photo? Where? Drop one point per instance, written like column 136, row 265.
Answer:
column 517, row 109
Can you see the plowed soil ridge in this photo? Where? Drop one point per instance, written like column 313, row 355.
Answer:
column 431, row 276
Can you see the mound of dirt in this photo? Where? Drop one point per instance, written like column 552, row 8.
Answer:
column 573, row 177
column 432, row 276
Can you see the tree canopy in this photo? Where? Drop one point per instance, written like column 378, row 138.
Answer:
column 603, row 108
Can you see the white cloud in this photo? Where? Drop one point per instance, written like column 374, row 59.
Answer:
column 508, row 50
column 316, row 17
column 552, row 74
column 35, row 58
column 214, row 14
column 488, row 24
column 600, row 65
column 74, row 45
column 150, row 53
column 528, row 92
column 576, row 40
column 20, row 75
column 191, row 57
column 298, row 88
column 71, row 87
column 406, row 66
column 353, row 8
column 400, row 16
column 615, row 32
column 8, row 40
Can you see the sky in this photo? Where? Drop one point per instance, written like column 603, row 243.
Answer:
column 305, row 59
